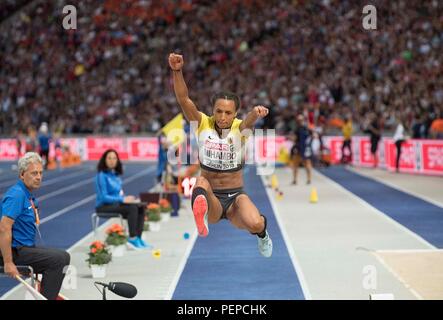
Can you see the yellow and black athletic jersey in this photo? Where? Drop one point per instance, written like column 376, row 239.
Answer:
column 220, row 154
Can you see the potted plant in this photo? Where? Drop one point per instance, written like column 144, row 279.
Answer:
column 153, row 214
column 145, row 229
column 165, row 209
column 146, row 224
column 99, row 257
column 117, row 239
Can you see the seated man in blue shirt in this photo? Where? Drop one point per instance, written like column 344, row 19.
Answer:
column 18, row 227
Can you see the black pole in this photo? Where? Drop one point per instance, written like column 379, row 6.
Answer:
column 104, row 293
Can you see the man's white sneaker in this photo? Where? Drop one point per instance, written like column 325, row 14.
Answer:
column 265, row 245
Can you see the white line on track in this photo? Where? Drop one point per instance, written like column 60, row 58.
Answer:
column 62, row 190
column 181, row 267
column 291, row 251
column 409, row 251
column 6, row 183
column 373, row 209
column 47, row 182
column 397, row 276
column 91, row 197
column 399, row 188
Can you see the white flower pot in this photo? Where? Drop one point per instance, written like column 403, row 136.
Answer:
column 154, row 226
column 165, row 216
column 118, row 251
column 98, row 270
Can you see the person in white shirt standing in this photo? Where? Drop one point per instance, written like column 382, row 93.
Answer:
column 399, row 138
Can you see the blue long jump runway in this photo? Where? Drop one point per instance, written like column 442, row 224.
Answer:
column 419, row 216
column 65, row 230
column 226, row 265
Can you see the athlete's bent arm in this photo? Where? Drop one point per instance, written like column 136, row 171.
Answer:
column 5, row 246
column 181, row 90
column 256, row 113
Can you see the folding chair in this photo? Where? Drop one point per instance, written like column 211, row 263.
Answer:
column 26, row 271
column 96, row 216
column 38, row 282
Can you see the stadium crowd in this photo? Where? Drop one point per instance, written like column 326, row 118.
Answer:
column 110, row 75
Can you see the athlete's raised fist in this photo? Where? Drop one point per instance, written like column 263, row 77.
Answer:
column 261, row 111
column 176, row 61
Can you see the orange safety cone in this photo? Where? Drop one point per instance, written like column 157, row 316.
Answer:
column 64, row 162
column 77, row 160
column 52, row 164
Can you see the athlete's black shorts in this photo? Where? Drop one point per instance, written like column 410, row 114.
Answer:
column 227, row 197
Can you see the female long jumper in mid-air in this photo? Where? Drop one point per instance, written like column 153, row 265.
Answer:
column 218, row 192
